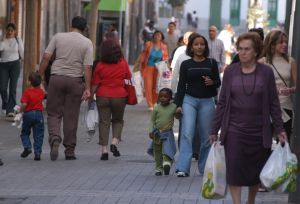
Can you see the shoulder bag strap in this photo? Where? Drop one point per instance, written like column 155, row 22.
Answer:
column 279, row 75
column 18, row 47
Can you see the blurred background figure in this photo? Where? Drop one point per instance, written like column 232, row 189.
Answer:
column 189, row 18
column 179, row 43
column 111, row 33
column 147, row 32
column 155, row 51
column 195, row 20
column 177, row 30
column 216, row 47
column 171, row 37
column 226, row 35
column 12, row 49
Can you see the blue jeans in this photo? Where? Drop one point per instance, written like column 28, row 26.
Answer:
column 202, row 111
column 33, row 119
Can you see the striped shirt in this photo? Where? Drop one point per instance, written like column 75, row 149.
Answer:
column 217, row 51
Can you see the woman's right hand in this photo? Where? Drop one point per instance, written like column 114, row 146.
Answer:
column 178, row 113
column 212, row 138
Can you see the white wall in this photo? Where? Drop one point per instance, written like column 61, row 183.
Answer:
column 244, row 10
column 264, row 4
column 225, row 10
column 281, row 11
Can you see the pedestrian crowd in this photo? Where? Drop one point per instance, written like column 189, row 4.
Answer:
column 244, row 110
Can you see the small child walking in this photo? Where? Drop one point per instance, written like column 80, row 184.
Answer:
column 32, row 109
column 161, row 132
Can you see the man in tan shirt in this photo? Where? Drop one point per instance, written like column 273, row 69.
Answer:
column 69, row 84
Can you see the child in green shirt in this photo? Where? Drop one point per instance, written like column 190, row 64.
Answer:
column 161, row 132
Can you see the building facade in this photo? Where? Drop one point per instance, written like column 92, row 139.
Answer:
column 221, row 12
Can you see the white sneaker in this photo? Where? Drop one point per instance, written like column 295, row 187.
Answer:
column 11, row 115
column 181, row 174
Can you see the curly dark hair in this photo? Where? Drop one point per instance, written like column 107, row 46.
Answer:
column 191, row 40
column 168, row 90
column 110, row 51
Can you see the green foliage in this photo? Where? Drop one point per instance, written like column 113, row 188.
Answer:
column 176, row 3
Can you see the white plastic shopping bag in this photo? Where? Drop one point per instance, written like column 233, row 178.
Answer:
column 91, row 119
column 138, row 84
column 279, row 172
column 214, row 178
column 164, row 77
column 18, row 119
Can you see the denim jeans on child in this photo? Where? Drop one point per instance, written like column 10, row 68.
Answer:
column 33, row 120
column 202, row 111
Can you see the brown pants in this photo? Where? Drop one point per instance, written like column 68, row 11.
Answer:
column 111, row 110
column 63, row 103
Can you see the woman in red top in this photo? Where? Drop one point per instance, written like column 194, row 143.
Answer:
column 108, row 84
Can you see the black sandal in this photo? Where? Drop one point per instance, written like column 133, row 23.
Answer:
column 114, row 150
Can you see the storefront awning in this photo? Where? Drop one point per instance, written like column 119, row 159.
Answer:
column 109, row 5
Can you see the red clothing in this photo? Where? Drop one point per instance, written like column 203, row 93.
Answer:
column 33, row 97
column 110, row 79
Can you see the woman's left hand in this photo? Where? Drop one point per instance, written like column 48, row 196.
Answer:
column 287, row 91
column 282, row 137
column 208, row 81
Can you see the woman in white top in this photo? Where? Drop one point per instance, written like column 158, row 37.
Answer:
column 285, row 71
column 12, row 50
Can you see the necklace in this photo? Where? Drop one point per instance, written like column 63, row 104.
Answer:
column 254, row 83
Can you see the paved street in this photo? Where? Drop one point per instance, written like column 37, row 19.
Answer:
column 128, row 179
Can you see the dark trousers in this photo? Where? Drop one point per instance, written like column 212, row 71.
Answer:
column 63, row 105
column 9, row 75
column 33, row 120
column 288, row 125
column 111, row 111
